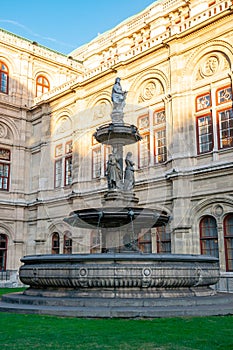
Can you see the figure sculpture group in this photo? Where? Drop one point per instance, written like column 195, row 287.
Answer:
column 114, row 173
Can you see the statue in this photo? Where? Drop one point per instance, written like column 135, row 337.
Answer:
column 113, row 173
column 129, row 179
column 118, row 99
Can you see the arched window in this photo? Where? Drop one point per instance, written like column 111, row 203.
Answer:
column 3, row 251
column 55, row 243
column 209, row 236
column 4, row 78
column 228, row 240
column 67, row 247
column 42, row 85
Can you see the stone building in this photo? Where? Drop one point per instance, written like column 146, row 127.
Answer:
column 175, row 60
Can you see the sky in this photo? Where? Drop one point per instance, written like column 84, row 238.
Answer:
column 64, row 25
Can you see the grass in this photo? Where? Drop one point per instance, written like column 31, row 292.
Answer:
column 19, row 331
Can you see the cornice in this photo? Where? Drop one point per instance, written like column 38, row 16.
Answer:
column 33, row 48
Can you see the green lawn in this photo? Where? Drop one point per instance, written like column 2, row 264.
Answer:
column 47, row 332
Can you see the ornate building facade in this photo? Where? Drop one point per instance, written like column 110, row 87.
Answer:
column 175, row 60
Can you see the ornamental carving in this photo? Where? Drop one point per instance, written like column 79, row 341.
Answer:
column 101, row 109
column 62, row 125
column 3, row 131
column 149, row 90
column 211, row 65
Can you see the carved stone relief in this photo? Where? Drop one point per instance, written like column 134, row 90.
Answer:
column 212, row 64
column 150, row 89
column 5, row 132
column 101, row 109
column 62, row 125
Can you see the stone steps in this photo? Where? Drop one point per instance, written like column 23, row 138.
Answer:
column 219, row 304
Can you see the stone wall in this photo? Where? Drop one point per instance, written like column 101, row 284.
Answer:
column 166, row 56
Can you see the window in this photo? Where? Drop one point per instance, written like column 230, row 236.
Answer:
column 225, row 128
column 67, row 247
column 68, row 171
column 99, row 158
column 209, row 236
column 224, row 95
column 63, row 165
column 96, row 162
column 55, row 243
column 5, row 157
column 3, row 251
column 144, row 242
column 42, row 85
column 152, row 128
column 203, row 101
column 204, row 134
column 160, row 143
column 4, row 78
column 214, row 124
column 95, row 242
column 228, row 240
column 163, row 240
column 144, row 151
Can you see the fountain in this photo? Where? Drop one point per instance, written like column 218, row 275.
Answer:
column 121, row 275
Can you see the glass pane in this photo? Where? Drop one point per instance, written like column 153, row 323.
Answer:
column 68, row 163
column 226, row 128
column 203, row 102
column 58, row 173
column 159, row 117
column 143, row 122
column 145, row 151
column 205, row 134
column 224, row 95
column 96, row 163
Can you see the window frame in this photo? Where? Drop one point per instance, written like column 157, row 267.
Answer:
column 223, row 88
column 55, row 249
column 45, row 85
column 205, row 238
column 198, row 134
column 68, row 171
column 146, row 151
column 63, row 157
column 219, row 129
column 144, row 242
column 6, row 74
column 163, row 240
column 207, row 93
column 5, row 162
column 96, row 162
column 67, row 248
column 158, row 128
column 3, row 251
column 228, row 237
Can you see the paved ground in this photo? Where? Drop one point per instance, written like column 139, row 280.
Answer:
column 219, row 304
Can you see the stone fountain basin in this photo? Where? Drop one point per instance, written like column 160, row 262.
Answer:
column 116, row 217
column 119, row 275
column 117, row 133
